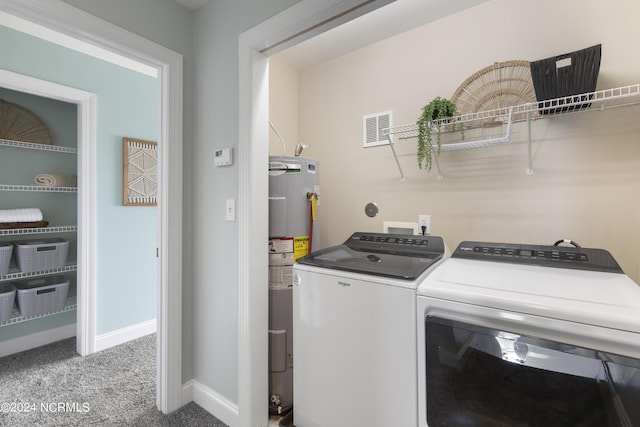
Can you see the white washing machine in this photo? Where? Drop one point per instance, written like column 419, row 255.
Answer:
column 354, row 330
column 530, row 336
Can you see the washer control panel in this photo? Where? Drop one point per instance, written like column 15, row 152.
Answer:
column 399, row 256
column 548, row 256
column 396, row 243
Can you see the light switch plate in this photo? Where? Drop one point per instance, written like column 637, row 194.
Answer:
column 231, row 210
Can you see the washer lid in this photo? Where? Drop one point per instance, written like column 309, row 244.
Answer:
column 589, row 297
column 390, row 255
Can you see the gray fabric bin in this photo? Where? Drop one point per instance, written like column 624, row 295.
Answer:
column 42, row 295
column 6, row 249
column 41, row 255
column 7, row 298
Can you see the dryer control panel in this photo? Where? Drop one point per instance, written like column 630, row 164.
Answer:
column 548, row 256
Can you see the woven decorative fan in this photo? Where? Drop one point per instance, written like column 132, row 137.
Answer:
column 19, row 124
column 503, row 84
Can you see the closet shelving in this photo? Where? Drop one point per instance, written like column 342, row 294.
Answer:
column 40, row 147
column 37, row 188
column 39, row 230
column 497, row 123
column 68, row 268
column 71, row 266
column 70, row 305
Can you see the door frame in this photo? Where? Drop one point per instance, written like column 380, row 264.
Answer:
column 67, row 20
column 304, row 20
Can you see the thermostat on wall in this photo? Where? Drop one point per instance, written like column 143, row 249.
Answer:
column 223, row 157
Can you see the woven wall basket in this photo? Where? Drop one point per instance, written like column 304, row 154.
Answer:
column 501, row 85
column 19, row 124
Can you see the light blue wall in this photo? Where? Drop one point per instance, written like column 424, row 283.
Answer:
column 127, row 105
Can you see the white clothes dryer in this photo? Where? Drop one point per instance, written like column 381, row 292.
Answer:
column 528, row 335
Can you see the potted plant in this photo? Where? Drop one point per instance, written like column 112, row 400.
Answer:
column 432, row 115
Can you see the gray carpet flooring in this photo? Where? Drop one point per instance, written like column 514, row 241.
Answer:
column 54, row 386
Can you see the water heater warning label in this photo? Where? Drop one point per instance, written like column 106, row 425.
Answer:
column 300, row 246
column 278, row 246
column 282, row 255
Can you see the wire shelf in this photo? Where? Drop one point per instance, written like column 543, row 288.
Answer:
column 37, row 188
column 39, row 230
column 15, row 274
column 71, row 302
column 41, row 147
column 70, row 305
column 603, row 99
column 598, row 100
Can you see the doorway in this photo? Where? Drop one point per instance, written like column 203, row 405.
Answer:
column 298, row 23
column 61, row 18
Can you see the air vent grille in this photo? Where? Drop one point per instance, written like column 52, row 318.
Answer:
column 373, row 126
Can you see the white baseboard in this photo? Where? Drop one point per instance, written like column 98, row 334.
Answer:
column 38, row 339
column 121, row 336
column 217, row 405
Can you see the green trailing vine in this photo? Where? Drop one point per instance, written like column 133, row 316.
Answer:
column 432, row 115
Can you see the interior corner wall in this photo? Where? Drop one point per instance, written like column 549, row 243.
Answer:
column 586, row 166
column 284, row 98
column 218, row 26
column 127, row 105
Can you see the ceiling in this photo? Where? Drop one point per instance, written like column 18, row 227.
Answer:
column 192, row 4
column 385, row 22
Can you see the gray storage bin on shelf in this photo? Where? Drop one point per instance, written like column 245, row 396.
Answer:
column 7, row 298
column 41, row 295
column 41, row 255
column 6, row 249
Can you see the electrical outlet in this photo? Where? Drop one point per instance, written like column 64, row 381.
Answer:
column 424, row 223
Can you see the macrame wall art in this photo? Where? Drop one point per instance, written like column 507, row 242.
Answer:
column 140, row 172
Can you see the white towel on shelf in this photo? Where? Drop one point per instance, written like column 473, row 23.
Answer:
column 56, row 180
column 20, row 215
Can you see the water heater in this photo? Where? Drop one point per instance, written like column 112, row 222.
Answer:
column 293, row 204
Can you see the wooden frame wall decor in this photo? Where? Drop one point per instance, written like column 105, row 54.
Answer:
column 140, row 178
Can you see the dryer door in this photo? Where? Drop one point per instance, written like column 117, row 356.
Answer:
column 481, row 374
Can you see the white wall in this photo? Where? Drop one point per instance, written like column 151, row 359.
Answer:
column 587, row 167
column 283, row 108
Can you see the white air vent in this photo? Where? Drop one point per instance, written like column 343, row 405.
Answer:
column 373, row 125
